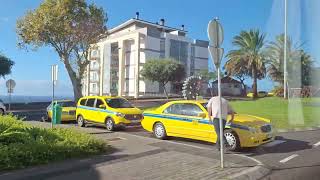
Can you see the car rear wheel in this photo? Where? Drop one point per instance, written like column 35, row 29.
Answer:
column 159, row 131
column 110, row 124
column 232, row 140
column 81, row 121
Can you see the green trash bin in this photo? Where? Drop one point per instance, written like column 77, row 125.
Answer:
column 56, row 114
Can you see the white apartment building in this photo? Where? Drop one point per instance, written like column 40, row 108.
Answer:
column 117, row 59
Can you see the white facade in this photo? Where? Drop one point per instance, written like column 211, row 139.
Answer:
column 117, row 59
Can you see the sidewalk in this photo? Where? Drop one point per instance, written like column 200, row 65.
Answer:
column 137, row 157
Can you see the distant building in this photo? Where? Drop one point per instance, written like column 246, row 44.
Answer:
column 229, row 87
column 117, row 59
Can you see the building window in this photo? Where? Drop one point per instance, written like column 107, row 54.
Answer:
column 162, row 48
column 95, row 54
column 192, row 71
column 179, row 51
column 94, row 76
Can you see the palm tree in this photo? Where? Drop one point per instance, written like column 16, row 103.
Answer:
column 299, row 63
column 248, row 56
column 275, row 54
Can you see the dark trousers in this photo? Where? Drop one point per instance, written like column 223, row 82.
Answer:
column 216, row 125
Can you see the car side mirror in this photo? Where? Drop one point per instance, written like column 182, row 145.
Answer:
column 102, row 106
column 202, row 115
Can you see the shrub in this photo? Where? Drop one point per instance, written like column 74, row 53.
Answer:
column 22, row 145
column 278, row 91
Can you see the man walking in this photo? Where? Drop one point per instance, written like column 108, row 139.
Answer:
column 213, row 110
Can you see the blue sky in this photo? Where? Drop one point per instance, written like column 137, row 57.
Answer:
column 32, row 69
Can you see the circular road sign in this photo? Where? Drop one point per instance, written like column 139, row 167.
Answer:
column 11, row 84
column 215, row 33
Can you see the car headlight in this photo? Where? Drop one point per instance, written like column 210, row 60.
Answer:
column 120, row 114
column 252, row 130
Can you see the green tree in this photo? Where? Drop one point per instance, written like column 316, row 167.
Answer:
column 163, row 71
column 249, row 54
column 207, row 77
column 5, row 65
column 238, row 70
column 70, row 27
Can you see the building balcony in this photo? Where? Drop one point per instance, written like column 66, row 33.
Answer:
column 93, row 80
column 94, row 68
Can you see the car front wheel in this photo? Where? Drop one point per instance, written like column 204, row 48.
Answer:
column 159, row 131
column 81, row 121
column 233, row 142
column 110, row 124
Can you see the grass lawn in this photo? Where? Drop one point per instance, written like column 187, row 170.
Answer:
column 285, row 114
column 23, row 145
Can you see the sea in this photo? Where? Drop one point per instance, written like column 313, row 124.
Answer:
column 31, row 99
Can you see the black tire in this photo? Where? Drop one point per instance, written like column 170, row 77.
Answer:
column 81, row 122
column 110, row 124
column 159, row 131
column 233, row 142
column 1, row 112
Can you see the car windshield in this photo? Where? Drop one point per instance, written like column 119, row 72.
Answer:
column 118, row 103
column 66, row 104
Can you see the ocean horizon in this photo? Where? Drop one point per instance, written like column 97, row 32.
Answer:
column 31, row 99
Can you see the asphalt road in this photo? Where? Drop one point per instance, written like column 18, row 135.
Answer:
column 294, row 155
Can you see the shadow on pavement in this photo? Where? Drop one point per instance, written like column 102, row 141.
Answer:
column 290, row 145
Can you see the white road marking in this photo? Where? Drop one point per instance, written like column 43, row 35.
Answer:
column 316, row 144
column 273, row 143
column 259, row 163
column 122, row 138
column 288, row 158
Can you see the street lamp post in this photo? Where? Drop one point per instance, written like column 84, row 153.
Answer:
column 285, row 86
column 215, row 34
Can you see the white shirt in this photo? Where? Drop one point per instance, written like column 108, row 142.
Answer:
column 214, row 104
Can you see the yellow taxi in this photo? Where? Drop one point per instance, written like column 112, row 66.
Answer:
column 113, row 112
column 189, row 119
column 68, row 110
column 261, row 94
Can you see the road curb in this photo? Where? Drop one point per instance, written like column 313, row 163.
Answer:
column 315, row 128
column 256, row 172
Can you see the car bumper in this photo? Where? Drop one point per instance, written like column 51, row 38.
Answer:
column 125, row 122
column 254, row 140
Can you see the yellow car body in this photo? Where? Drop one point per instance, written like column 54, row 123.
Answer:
column 261, row 94
column 107, row 109
column 68, row 110
column 251, row 130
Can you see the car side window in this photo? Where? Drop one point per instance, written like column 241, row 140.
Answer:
column 90, row 102
column 83, row 102
column 98, row 103
column 173, row 109
column 190, row 110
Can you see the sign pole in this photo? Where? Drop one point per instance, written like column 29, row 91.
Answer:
column 215, row 33
column 10, row 85
column 54, row 78
column 9, row 101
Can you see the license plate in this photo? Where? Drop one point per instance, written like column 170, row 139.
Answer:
column 135, row 121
